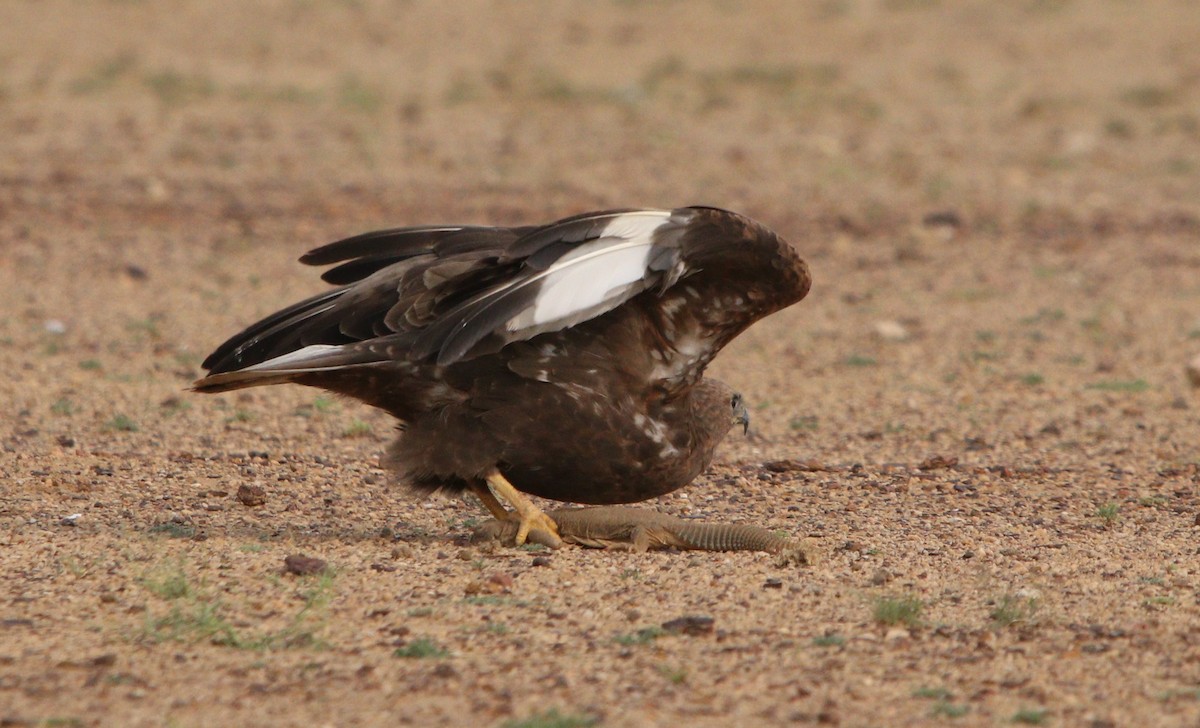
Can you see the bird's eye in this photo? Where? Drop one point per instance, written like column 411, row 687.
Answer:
column 735, row 401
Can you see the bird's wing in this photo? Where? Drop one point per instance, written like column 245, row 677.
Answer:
column 727, row 271
column 450, row 293
column 734, row 272
column 437, row 292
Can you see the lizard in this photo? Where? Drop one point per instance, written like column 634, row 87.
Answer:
column 638, row 529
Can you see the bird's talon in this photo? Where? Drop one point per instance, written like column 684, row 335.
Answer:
column 539, row 522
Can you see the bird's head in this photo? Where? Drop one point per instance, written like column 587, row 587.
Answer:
column 715, row 410
column 741, row 415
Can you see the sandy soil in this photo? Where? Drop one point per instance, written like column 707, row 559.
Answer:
column 980, row 414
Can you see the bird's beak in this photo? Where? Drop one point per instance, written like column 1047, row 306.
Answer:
column 741, row 416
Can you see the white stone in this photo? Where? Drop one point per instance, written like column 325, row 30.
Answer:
column 891, row 330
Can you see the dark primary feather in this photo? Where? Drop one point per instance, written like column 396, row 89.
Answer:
column 373, row 251
column 362, row 306
column 267, row 334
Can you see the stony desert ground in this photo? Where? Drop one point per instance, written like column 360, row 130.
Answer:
column 980, row 416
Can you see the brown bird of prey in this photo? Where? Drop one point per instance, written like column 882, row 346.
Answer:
column 564, row 360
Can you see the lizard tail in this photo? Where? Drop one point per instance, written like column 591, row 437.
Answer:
column 731, row 537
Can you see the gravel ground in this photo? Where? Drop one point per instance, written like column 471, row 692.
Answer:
column 981, row 415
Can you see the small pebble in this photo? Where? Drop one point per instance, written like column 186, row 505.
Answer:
column 691, row 624
column 251, row 495
column 1193, row 371
column 501, row 580
column 497, row 583
column 71, row 520
column 302, row 565
column 942, row 218
column 444, row 670
column 937, row 462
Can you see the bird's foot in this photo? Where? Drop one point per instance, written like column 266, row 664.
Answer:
column 504, row 530
column 528, row 517
column 536, row 527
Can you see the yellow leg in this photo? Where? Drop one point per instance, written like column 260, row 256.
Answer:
column 528, row 515
column 494, row 506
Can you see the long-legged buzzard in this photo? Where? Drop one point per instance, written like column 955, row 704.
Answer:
column 563, row 360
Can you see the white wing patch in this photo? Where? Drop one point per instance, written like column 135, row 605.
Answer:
column 595, row 273
column 586, row 277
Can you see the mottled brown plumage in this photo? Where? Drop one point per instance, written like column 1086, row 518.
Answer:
column 567, row 358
